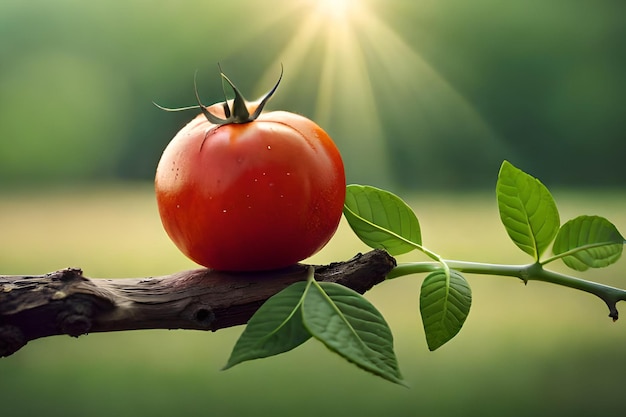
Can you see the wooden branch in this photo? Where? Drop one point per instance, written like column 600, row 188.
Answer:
column 66, row 302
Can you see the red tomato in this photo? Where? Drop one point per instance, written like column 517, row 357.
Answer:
column 253, row 194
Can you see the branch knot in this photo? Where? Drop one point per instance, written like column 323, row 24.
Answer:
column 76, row 318
column 201, row 315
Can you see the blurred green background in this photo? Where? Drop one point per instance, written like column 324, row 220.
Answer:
column 416, row 93
column 423, row 97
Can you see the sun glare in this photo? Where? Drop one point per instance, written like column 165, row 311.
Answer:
column 338, row 10
column 367, row 70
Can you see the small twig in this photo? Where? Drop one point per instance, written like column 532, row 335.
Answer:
column 530, row 272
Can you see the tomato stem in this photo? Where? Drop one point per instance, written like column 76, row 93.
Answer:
column 238, row 113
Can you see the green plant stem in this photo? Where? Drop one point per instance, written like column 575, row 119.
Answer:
column 531, row 272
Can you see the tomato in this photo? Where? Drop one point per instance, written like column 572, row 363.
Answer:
column 241, row 192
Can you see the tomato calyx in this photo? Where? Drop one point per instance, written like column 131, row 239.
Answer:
column 239, row 112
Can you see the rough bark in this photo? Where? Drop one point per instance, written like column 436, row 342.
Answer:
column 66, row 302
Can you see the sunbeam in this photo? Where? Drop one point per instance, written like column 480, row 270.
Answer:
column 368, row 81
column 346, row 104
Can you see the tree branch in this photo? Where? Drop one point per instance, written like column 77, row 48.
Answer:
column 66, row 302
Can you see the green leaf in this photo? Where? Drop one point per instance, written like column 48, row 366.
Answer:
column 445, row 302
column 275, row 328
column 527, row 210
column 588, row 242
column 381, row 219
column 350, row 326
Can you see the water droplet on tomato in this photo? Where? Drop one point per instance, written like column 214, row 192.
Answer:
column 269, row 147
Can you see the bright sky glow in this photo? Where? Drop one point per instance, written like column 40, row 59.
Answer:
column 367, row 69
column 338, row 10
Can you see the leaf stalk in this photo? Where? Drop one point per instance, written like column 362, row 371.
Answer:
column 531, row 272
